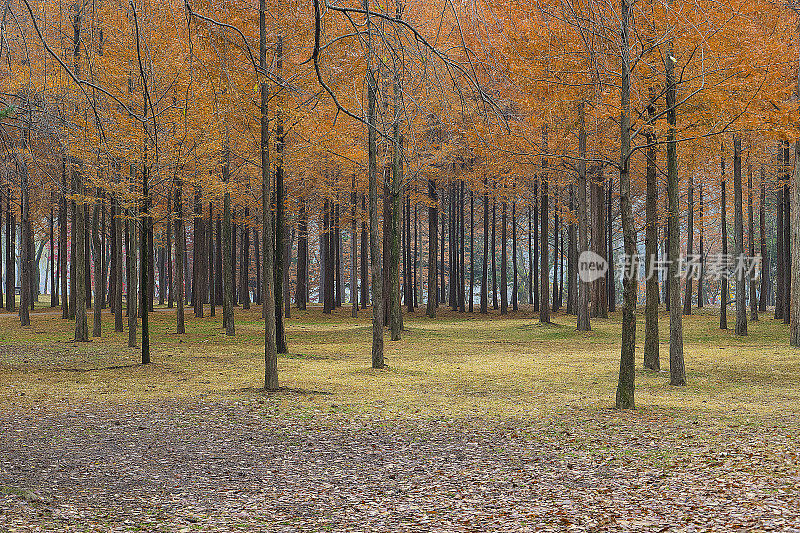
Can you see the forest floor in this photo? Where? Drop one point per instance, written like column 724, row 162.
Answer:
column 477, row 424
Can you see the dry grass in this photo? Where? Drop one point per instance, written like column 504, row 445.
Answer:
column 453, row 366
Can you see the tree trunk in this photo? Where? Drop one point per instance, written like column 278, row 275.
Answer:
column 268, row 302
column 212, row 253
column 280, row 229
column 687, row 296
column 494, row 253
column 611, row 287
column 677, row 372
column 301, row 289
column 627, row 361
column 365, row 255
column 544, row 307
column 11, row 223
column 117, row 225
column 794, row 248
column 700, row 291
column 471, row 251
column 81, row 325
column 62, row 240
column 503, row 260
column 738, row 223
column 582, row 307
column 25, row 238
column 723, row 295
column 514, row 286
column 485, row 262
column 433, row 251
column 536, row 234
column 227, row 257
column 751, row 240
column 374, row 248
column 353, row 251
column 651, row 337
column 762, row 232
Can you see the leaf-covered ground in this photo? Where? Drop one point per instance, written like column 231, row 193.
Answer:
column 478, row 425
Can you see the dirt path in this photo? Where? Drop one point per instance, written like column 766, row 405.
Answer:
column 242, row 466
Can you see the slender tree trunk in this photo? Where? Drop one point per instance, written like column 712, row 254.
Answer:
column 395, row 310
column 212, row 253
column 762, row 232
column 180, row 248
column 25, row 238
column 688, row 289
column 651, row 336
column 81, row 325
column 752, row 280
column 738, row 219
column 268, row 302
column 677, row 372
column 514, row 286
column 375, row 253
column 627, row 361
column 494, row 252
column 364, row 254
column 170, row 284
column 353, row 251
column 582, row 308
column 117, row 225
column 485, row 262
column 723, row 296
column 503, row 259
column 280, row 229
column 611, row 287
column 700, row 291
column 62, row 241
column 244, row 263
column 471, row 251
column 227, row 252
column 794, row 248
column 97, row 254
column 787, row 239
column 544, row 303
column 433, row 252
column 556, row 255
column 53, row 281
column 2, row 298
column 536, row 238
column 530, row 256
column 301, row 289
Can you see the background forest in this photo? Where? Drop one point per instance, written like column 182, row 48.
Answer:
column 418, row 155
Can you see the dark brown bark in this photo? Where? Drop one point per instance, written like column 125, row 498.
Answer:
column 651, row 335
column 544, row 302
column 762, row 231
column 97, row 255
column 117, row 225
column 433, row 245
column 738, row 231
column 485, row 261
column 723, row 295
column 301, row 289
column 752, row 280
column 687, row 295
column 180, row 246
column 364, row 254
column 494, row 253
column 503, row 260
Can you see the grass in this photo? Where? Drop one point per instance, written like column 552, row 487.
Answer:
column 454, row 366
